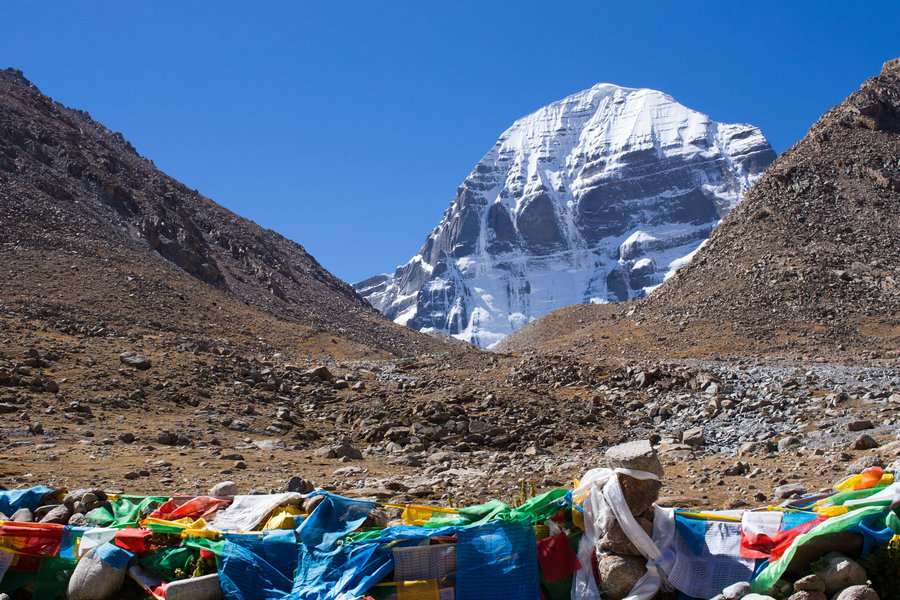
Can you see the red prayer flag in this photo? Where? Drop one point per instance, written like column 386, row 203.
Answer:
column 556, row 557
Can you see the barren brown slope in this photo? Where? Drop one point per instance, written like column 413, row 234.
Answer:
column 94, row 232
column 808, row 264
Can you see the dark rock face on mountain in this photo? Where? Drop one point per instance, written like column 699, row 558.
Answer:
column 593, row 198
column 71, row 188
column 808, row 262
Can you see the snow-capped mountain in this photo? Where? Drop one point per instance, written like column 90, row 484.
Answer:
column 595, row 198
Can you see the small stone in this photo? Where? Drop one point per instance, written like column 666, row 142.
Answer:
column 808, row 595
column 694, row 437
column 353, row 470
column 858, row 592
column 269, row 445
column 347, row 450
column 749, row 448
column 736, row 590
column 324, row 452
column 790, row 490
column 860, row 425
column 862, row 463
column 440, row 457
column 735, row 503
column 321, row 372
column 310, row 504
column 126, row 437
column 615, row 541
column 131, row 475
column 757, row 597
column 535, row 451
column 78, row 520
column 738, row 468
column 58, row 514
column 618, row 574
column 638, row 455
column 640, row 494
column 298, row 484
column 225, row 488
column 94, row 578
column 810, row 583
column 132, row 359
column 167, row 438
column 840, row 572
column 864, row 442
column 41, row 511
column 785, row 443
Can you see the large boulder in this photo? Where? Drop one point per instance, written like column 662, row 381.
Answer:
column 840, row 572
column 615, row 541
column 638, row 455
column 810, row 583
column 618, row 574
column 196, row 588
column 858, row 592
column 224, row 488
column 640, row 494
column 95, row 579
column 133, row 359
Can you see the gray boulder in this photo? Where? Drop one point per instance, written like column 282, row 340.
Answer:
column 225, row 488
column 638, row 455
column 840, row 572
column 298, row 484
column 58, row 514
column 790, row 490
column 23, row 515
column 736, row 590
column 858, row 592
column 810, row 583
column 94, row 579
column 615, row 541
column 694, row 437
column 348, row 451
column 808, row 595
column 640, row 494
column 618, row 574
column 133, row 359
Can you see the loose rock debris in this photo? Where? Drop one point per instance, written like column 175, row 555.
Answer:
column 609, row 536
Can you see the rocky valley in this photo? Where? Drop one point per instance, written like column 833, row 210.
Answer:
column 153, row 342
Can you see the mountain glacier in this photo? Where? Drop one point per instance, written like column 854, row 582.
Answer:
column 594, row 198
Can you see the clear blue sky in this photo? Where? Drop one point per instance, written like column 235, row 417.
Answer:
column 347, row 126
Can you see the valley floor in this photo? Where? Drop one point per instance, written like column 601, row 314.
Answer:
column 458, row 428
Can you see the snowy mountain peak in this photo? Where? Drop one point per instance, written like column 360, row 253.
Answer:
column 594, row 198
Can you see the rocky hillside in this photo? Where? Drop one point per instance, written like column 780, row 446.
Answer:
column 593, row 198
column 808, row 263
column 94, row 233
